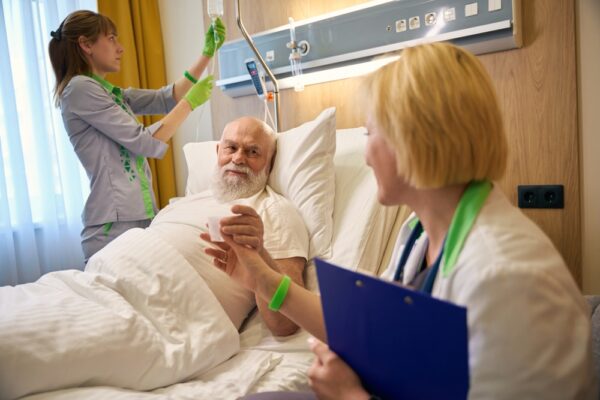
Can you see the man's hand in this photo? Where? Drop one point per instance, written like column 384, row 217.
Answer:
column 331, row 378
column 246, row 228
column 243, row 257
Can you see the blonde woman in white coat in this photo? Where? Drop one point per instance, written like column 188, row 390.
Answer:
column 437, row 143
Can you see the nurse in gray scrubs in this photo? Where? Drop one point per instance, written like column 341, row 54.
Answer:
column 100, row 121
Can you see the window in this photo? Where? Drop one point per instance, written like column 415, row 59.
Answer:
column 42, row 185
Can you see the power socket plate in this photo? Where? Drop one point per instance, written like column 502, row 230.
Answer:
column 541, row 196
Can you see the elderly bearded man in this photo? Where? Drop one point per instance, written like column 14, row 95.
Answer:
column 245, row 154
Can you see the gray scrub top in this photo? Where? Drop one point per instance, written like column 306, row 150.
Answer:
column 112, row 146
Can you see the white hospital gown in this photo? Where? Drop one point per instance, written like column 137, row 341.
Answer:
column 181, row 223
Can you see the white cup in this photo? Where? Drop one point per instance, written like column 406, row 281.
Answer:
column 214, row 229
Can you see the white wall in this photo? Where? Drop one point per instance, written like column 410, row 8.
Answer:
column 588, row 54
column 183, row 38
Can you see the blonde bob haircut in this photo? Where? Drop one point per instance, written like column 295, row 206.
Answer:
column 437, row 107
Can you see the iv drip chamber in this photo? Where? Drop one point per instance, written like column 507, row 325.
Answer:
column 214, row 8
column 296, row 66
column 295, row 58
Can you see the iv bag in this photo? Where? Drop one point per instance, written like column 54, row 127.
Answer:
column 214, row 8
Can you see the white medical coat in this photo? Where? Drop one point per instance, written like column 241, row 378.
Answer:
column 529, row 326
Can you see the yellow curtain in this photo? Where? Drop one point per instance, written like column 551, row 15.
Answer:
column 143, row 66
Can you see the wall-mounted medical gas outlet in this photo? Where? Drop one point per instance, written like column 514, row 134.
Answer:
column 541, row 196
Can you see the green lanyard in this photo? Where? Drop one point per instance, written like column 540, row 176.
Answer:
column 117, row 95
column 115, row 92
column 469, row 206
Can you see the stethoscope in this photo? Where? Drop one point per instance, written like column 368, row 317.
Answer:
column 468, row 208
column 427, row 285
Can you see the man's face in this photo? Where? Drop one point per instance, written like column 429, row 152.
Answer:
column 244, row 144
column 243, row 160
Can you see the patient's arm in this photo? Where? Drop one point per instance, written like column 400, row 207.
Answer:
column 277, row 323
column 301, row 305
column 225, row 258
column 245, row 260
column 252, row 271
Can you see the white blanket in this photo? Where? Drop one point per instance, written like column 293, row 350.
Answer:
column 138, row 318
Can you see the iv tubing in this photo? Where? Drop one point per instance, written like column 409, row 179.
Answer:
column 216, row 39
column 267, row 112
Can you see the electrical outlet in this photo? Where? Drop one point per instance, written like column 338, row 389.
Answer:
column 541, row 196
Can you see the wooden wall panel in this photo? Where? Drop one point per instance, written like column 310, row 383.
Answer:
column 536, row 86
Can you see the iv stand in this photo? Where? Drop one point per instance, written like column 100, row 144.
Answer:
column 238, row 16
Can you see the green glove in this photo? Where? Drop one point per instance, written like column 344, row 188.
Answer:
column 200, row 92
column 215, row 37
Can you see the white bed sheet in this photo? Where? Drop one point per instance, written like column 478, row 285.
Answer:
column 362, row 230
column 140, row 317
column 264, row 363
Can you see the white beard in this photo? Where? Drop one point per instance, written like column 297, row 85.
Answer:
column 228, row 188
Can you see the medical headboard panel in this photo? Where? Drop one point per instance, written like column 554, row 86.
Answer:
column 359, row 33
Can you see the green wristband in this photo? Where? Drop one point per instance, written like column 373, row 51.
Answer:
column 280, row 293
column 190, row 77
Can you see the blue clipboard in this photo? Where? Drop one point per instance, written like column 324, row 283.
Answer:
column 403, row 344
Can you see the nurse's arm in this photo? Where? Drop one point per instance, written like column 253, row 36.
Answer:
column 279, row 324
column 258, row 273
column 183, row 84
column 180, row 112
column 172, row 121
column 301, row 306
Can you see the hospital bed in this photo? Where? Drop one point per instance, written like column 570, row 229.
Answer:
column 362, row 236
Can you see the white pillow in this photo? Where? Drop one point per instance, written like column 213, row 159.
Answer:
column 361, row 225
column 303, row 173
column 201, row 158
